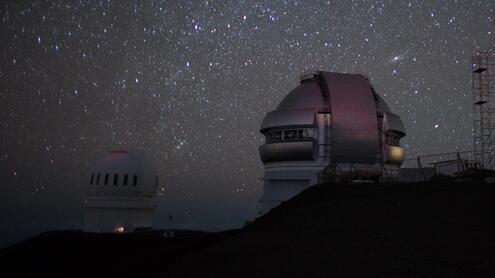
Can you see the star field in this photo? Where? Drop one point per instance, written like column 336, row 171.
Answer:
column 189, row 83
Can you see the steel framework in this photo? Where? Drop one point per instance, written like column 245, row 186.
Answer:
column 483, row 87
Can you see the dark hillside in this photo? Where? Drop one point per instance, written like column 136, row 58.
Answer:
column 78, row 254
column 363, row 230
column 436, row 229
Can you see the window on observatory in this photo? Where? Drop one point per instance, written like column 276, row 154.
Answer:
column 392, row 139
column 98, row 179
column 274, row 136
column 92, row 179
column 308, row 133
column 134, row 182
column 291, row 134
column 115, row 179
column 299, row 134
column 106, row 179
column 125, row 179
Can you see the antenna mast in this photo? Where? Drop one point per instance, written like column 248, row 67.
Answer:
column 483, row 88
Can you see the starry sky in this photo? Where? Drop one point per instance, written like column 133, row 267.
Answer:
column 188, row 82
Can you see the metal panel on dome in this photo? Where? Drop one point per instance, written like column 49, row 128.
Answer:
column 306, row 95
column 287, row 151
column 354, row 120
column 292, row 117
column 394, row 122
column 382, row 105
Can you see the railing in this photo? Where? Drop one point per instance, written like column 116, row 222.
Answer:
column 417, row 169
column 349, row 172
column 425, row 167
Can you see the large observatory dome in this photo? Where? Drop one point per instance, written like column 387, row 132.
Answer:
column 332, row 126
column 120, row 194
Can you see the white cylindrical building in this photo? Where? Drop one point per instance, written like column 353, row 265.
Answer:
column 332, row 127
column 120, row 194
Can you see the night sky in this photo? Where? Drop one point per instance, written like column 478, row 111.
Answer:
column 189, row 83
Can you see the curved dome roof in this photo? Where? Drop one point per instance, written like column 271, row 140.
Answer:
column 382, row 106
column 357, row 115
column 306, row 95
column 123, row 173
column 298, row 106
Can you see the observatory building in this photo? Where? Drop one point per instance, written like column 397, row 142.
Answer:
column 332, row 127
column 120, row 194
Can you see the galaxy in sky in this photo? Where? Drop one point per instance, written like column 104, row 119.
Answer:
column 188, row 82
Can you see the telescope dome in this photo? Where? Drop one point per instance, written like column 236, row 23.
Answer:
column 120, row 193
column 331, row 127
column 123, row 173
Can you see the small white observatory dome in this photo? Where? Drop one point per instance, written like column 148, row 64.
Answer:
column 123, row 173
column 120, row 194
